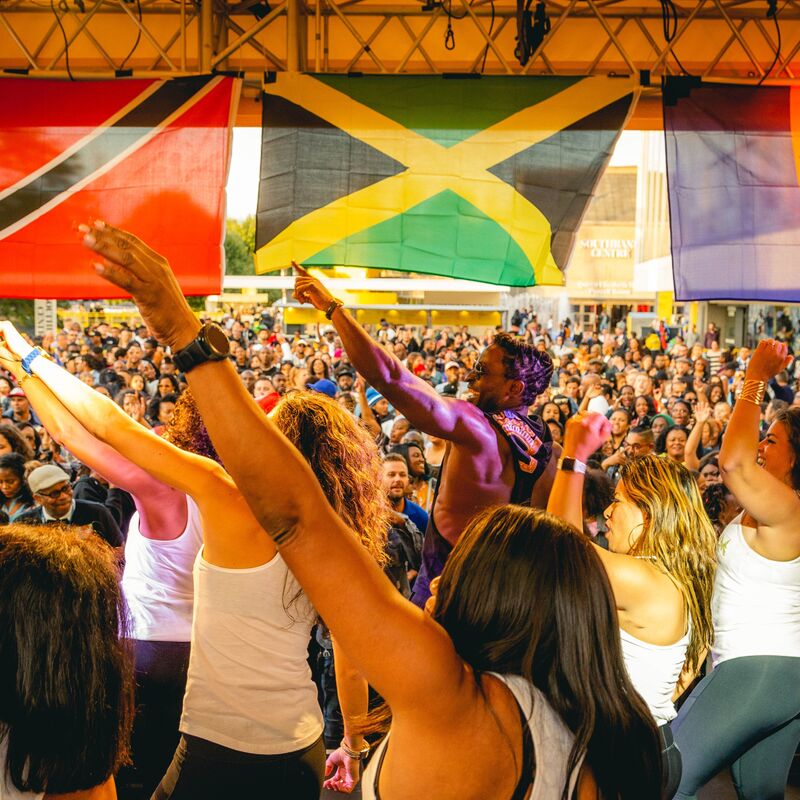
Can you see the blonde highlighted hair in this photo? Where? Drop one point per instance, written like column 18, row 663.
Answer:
column 678, row 536
column 344, row 459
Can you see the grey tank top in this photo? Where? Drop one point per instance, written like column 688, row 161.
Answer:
column 552, row 744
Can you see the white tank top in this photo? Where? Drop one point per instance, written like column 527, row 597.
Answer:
column 249, row 686
column 157, row 581
column 654, row 671
column 756, row 601
column 552, row 744
column 7, row 789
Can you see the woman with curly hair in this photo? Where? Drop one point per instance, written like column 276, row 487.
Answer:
column 65, row 675
column 318, row 369
column 248, row 722
column 661, row 565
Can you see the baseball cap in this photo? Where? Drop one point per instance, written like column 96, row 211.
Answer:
column 16, row 392
column 452, row 364
column 42, row 478
column 324, row 386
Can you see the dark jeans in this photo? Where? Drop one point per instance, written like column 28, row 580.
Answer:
column 202, row 770
column 744, row 715
column 160, row 669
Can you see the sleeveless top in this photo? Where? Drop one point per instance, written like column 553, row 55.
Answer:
column 7, row 789
column 756, row 601
column 654, row 671
column 157, row 581
column 531, row 447
column 249, row 685
column 552, row 745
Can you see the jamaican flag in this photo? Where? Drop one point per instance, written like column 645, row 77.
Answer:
column 485, row 179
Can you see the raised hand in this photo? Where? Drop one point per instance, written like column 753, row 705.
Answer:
column 308, row 289
column 584, row 434
column 130, row 264
column 702, row 413
column 13, row 340
column 769, row 358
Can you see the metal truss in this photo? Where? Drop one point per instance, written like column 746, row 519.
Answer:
column 716, row 39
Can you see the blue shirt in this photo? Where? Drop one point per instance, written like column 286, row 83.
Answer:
column 416, row 514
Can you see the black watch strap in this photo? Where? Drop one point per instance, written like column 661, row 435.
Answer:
column 190, row 356
column 199, row 350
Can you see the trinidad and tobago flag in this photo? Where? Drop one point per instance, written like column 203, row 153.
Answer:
column 149, row 156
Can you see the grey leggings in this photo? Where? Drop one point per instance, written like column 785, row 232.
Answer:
column 746, row 715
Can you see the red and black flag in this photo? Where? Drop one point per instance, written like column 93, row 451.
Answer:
column 150, row 156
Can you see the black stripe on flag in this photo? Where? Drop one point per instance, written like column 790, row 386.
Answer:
column 113, row 141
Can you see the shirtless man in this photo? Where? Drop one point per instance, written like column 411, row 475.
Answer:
column 495, row 453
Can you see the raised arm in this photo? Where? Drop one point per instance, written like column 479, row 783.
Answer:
column 701, row 416
column 222, row 507
column 162, row 509
column 337, row 573
column 584, row 434
column 765, row 497
column 417, row 400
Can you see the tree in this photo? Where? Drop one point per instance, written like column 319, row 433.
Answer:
column 240, row 242
column 19, row 312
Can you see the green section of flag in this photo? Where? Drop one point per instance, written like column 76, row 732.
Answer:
column 444, row 235
column 447, row 111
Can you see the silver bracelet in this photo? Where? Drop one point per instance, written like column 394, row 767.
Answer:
column 356, row 755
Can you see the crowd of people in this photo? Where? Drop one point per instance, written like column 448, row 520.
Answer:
column 534, row 563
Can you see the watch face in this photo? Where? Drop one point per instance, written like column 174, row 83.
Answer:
column 217, row 340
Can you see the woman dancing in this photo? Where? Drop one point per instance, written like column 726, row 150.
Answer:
column 746, row 713
column 661, row 567
column 523, row 671
column 258, row 728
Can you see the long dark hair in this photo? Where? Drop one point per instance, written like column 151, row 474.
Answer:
column 16, row 463
column 66, row 675
column 524, row 593
column 790, row 419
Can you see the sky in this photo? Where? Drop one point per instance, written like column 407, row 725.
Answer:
column 243, row 176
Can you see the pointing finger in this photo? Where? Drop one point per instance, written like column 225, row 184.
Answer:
column 300, row 270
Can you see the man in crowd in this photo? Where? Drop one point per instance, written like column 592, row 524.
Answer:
column 497, row 453
column 395, row 484
column 52, row 492
column 19, row 408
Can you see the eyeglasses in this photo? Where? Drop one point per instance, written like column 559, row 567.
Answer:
column 54, row 493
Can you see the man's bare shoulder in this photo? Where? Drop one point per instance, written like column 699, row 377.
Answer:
column 473, row 420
